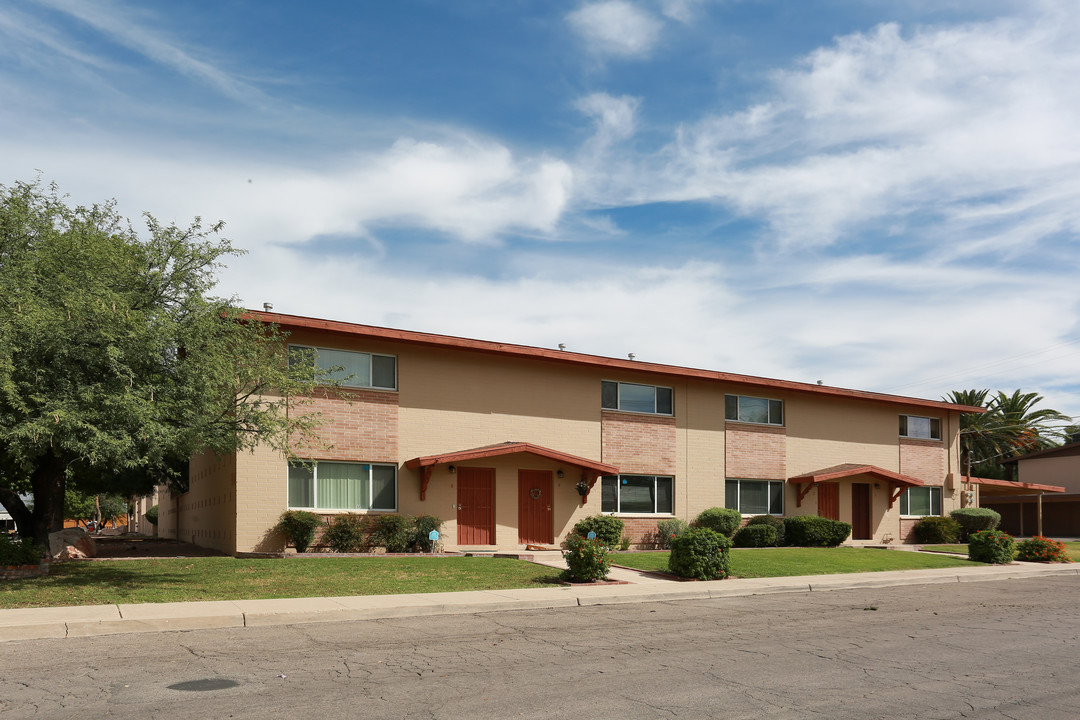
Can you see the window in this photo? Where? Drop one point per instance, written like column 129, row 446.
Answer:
column 913, row 426
column 636, row 494
column 635, row 398
column 753, row 410
column 343, row 486
column 755, row 497
column 353, row 369
column 921, row 501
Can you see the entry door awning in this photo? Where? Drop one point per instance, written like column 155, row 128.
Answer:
column 590, row 469
column 899, row 482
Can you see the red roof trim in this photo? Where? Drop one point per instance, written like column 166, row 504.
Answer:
column 1067, row 450
column 525, row 351
column 509, row 448
column 842, row 471
column 994, row 482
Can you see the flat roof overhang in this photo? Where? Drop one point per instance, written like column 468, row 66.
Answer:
column 992, row 487
column 899, row 482
column 590, row 469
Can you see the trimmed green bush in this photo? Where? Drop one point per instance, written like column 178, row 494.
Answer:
column 1042, row 549
column 151, row 515
column 815, row 531
column 992, row 546
column 424, row 525
column 932, row 530
column 608, row 529
column 700, row 553
column 668, row 530
column 299, row 528
column 393, row 532
column 973, row 520
column 721, row 520
column 21, row 552
column 349, row 533
column 755, row 536
column 773, row 522
column 586, row 560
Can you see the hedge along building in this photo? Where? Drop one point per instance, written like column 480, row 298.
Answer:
column 511, row 445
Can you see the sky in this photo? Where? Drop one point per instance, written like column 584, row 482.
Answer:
column 882, row 196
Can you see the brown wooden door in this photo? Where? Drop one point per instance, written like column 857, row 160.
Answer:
column 536, row 520
column 860, row 511
column 828, row 500
column 476, row 506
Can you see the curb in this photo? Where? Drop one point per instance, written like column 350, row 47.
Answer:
column 93, row 620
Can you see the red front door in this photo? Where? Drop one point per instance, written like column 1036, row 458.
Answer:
column 828, row 500
column 535, row 517
column 860, row 512
column 476, row 506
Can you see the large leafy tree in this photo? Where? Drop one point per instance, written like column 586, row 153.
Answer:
column 116, row 363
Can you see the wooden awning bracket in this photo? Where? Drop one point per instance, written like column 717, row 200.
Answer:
column 894, row 496
column 802, row 493
column 425, row 478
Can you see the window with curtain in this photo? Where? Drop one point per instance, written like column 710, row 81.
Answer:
column 921, row 501
column 742, row 408
column 343, row 486
column 632, row 397
column 925, row 428
column 350, row 369
column 755, row 497
column 646, row 494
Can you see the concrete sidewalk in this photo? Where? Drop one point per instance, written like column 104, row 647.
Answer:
column 70, row 622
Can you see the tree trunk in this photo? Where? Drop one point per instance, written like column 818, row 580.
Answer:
column 14, row 504
column 48, row 482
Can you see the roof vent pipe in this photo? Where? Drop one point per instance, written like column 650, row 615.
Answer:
column 562, row 346
column 631, row 355
column 267, row 307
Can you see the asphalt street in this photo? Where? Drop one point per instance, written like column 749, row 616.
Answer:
column 1001, row 649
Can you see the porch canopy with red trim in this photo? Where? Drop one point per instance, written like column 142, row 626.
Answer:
column 899, row 482
column 590, row 469
column 992, row 487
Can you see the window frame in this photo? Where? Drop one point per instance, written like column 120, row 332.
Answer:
column 905, row 426
column 769, row 411
column 618, row 495
column 371, row 365
column 619, row 401
column 314, row 507
column 905, row 502
column 738, row 495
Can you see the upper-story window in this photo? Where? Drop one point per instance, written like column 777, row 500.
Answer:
column 742, row 408
column 632, row 397
column 924, row 428
column 353, row 369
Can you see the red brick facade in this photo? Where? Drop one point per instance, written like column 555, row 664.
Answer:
column 755, row 452
column 363, row 428
column 638, row 443
column 922, row 459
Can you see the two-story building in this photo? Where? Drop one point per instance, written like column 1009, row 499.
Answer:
column 511, row 445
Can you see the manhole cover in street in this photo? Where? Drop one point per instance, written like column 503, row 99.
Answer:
column 204, row 685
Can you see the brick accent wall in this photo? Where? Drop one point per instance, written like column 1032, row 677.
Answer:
column 19, row 572
column 923, row 459
column 755, row 452
column 907, row 529
column 364, row 427
column 638, row 443
column 640, row 530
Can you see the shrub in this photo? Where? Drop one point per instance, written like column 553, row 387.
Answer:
column 700, row 553
column 586, row 560
column 756, row 536
column 624, row 542
column 608, row 529
column 972, row 520
column 668, row 530
column 393, row 532
column 814, row 531
column 299, row 527
column 992, row 546
column 349, row 533
column 424, row 525
column 21, row 552
column 721, row 520
column 151, row 515
column 773, row 522
column 933, row 529
column 1042, row 549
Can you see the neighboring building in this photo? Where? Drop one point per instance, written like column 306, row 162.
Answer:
column 497, row 439
column 1051, row 479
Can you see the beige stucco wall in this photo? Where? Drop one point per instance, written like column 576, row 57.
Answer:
column 1061, row 471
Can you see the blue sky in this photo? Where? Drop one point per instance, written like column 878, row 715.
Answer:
column 877, row 195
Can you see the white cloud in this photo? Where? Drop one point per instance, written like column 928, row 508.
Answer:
column 616, row 27
column 614, row 116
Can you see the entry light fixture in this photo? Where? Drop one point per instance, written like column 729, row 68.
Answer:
column 452, row 469
column 560, row 474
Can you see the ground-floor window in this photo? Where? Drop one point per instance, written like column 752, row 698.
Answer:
column 637, row 494
column 921, row 501
column 755, row 497
column 343, row 486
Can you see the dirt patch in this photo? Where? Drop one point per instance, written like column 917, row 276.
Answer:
column 125, row 547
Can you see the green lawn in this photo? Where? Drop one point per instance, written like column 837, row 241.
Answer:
column 225, row 578
column 783, row 562
column 1072, row 547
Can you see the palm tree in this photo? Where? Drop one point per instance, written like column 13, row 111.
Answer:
column 979, row 434
column 1025, row 429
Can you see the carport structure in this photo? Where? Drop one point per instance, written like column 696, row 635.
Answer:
column 991, row 489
